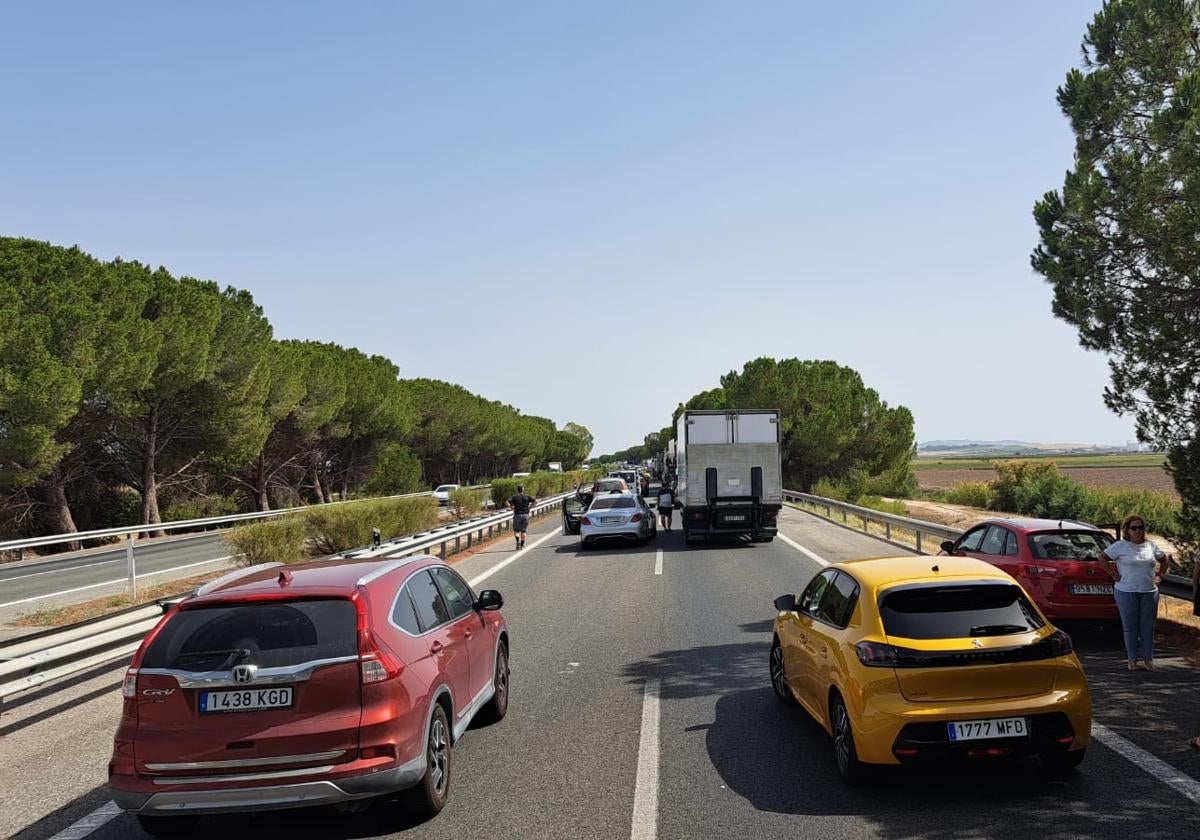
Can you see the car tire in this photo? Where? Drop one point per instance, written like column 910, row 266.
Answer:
column 497, row 707
column 583, row 545
column 1060, row 763
column 845, row 755
column 779, row 675
column 180, row 825
column 430, row 795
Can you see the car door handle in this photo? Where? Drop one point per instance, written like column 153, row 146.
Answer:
column 803, row 638
column 468, row 633
column 436, row 647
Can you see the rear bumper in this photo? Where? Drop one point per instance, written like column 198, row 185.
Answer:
column 136, row 794
column 1056, row 610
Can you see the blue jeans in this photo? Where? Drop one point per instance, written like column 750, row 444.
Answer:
column 1138, row 612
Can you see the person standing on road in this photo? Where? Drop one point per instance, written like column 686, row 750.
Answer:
column 666, row 506
column 1137, row 566
column 521, row 504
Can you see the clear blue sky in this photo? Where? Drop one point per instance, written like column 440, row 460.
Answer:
column 589, row 211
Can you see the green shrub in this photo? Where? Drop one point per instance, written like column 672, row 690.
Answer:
column 282, row 540
column 971, row 493
column 503, row 489
column 829, row 489
column 900, row 482
column 893, row 506
column 464, row 502
column 1012, row 475
column 199, row 507
column 338, row 528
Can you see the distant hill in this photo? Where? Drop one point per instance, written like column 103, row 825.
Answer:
column 994, row 448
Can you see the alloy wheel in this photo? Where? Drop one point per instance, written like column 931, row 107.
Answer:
column 438, row 754
column 842, row 737
column 778, row 675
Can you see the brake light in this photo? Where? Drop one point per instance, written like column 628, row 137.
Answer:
column 1059, row 643
column 586, row 521
column 129, row 686
column 878, row 655
column 1031, row 571
column 637, row 517
column 377, row 663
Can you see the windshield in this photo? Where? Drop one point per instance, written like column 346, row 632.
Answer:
column 446, row 488
column 611, row 502
column 957, row 611
column 1069, row 545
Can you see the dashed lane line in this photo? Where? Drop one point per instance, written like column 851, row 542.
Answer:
column 84, row 827
column 480, row 578
column 809, row 554
column 658, row 562
column 645, row 790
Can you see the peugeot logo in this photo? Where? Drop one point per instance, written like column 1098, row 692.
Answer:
column 244, row 673
column 977, row 643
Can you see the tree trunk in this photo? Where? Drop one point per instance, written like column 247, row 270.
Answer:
column 150, row 515
column 261, row 500
column 59, row 508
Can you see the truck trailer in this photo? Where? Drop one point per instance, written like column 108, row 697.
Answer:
column 728, row 472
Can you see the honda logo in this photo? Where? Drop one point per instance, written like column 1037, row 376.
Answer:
column 244, row 673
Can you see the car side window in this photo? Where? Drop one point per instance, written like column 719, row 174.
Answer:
column 972, row 540
column 838, row 601
column 404, row 614
column 993, row 541
column 431, row 607
column 458, row 595
column 1012, row 548
column 811, row 599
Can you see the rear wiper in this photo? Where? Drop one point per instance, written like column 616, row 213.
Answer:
column 232, row 656
column 997, row 629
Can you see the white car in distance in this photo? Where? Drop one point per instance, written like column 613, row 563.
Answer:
column 442, row 493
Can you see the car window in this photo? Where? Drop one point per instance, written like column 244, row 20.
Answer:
column 574, row 504
column 993, row 540
column 267, row 634
column 837, row 602
column 404, row 614
column 456, row 592
column 811, row 599
column 1012, row 548
column 972, row 540
column 610, row 502
column 1069, row 545
column 431, row 608
column 957, row 611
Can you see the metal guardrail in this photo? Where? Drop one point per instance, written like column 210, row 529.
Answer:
column 50, row 655
column 1175, row 586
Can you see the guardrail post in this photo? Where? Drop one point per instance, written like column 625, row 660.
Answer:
column 444, row 549
column 132, row 565
column 864, row 519
column 887, row 530
column 845, row 515
column 919, row 551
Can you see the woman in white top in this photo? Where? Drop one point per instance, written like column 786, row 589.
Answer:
column 1137, row 565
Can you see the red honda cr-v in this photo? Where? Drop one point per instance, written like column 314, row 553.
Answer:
column 320, row 683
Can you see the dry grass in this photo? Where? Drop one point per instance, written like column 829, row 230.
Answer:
column 1179, row 629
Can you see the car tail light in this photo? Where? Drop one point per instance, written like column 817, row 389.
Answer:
column 637, row 517
column 377, row 663
column 129, row 684
column 1031, row 571
column 1059, row 643
column 878, row 655
column 586, row 521
column 697, row 514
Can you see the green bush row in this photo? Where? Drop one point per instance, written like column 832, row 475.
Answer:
column 1037, row 488
column 465, row 503
column 329, row 529
column 540, row 484
column 855, row 492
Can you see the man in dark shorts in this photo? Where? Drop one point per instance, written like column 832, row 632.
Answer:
column 666, row 505
column 521, row 503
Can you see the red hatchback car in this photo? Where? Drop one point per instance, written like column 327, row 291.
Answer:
column 320, row 683
column 1057, row 563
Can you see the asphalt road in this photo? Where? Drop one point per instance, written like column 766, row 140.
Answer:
column 584, row 754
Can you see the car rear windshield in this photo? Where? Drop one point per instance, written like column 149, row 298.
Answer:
column 268, row 634
column 612, row 502
column 957, row 611
column 1069, row 545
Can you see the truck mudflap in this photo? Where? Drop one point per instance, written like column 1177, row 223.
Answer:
column 731, row 516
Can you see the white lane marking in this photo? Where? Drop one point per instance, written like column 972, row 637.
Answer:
column 658, row 562
column 810, row 555
column 645, row 791
column 1156, row 767
column 480, row 578
column 85, row 826
column 65, row 569
column 113, row 582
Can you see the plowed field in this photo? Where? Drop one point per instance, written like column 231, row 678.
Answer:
column 1117, row 478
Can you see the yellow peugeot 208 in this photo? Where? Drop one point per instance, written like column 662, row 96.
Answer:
column 905, row 659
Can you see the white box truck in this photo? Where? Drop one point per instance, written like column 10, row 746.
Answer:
column 729, row 476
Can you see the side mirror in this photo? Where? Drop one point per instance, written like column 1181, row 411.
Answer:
column 489, row 599
column 948, row 546
column 785, row 603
